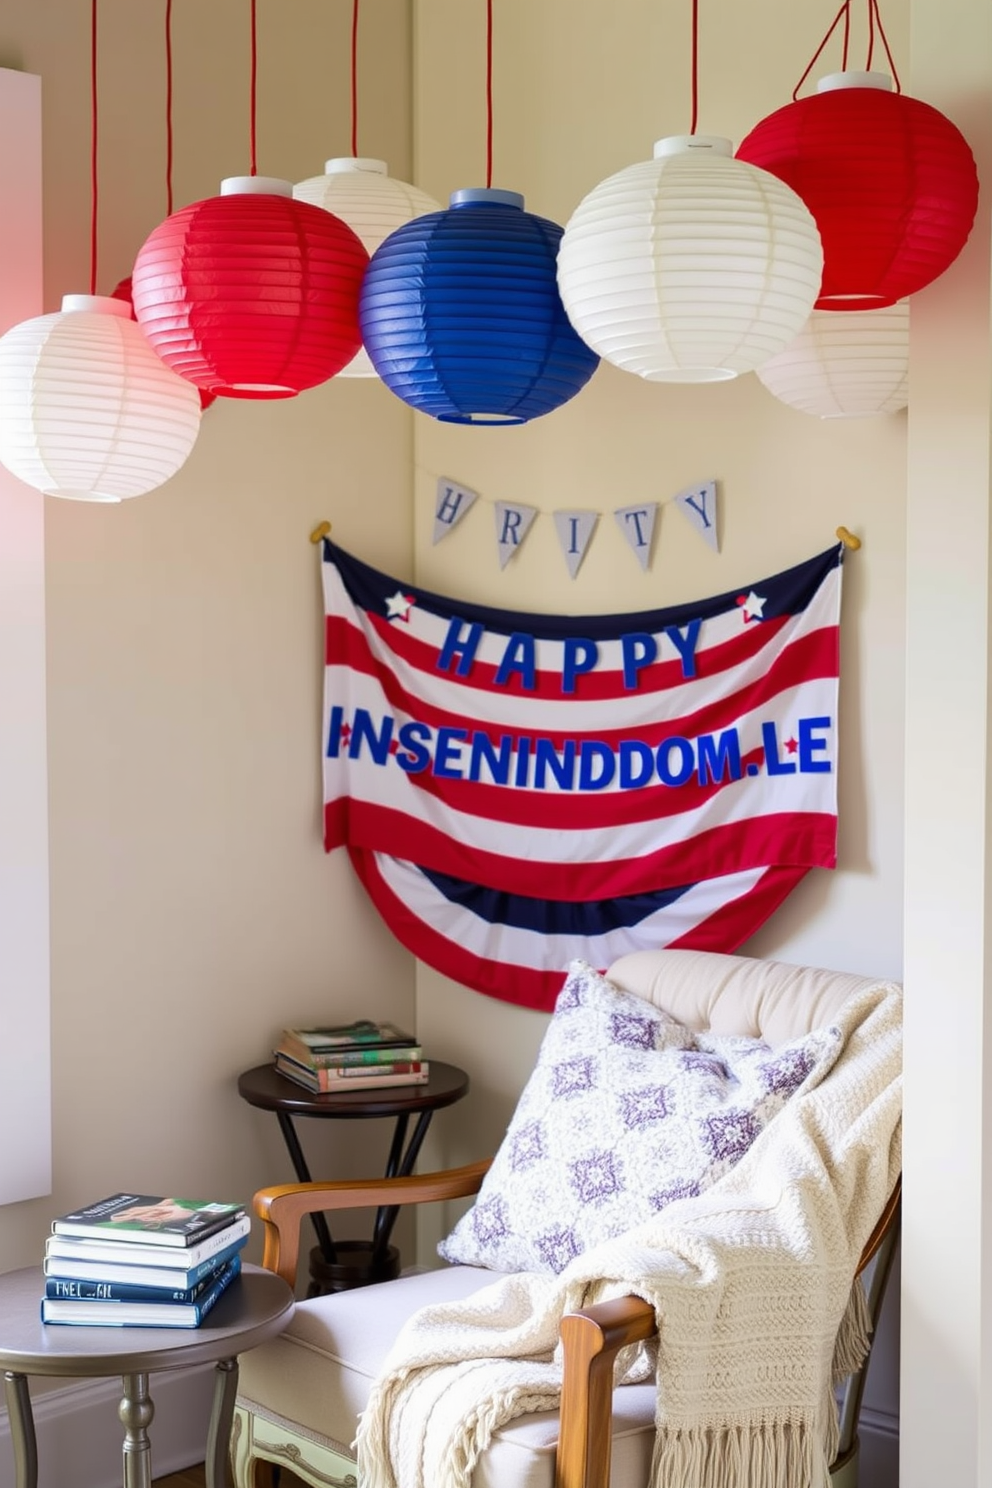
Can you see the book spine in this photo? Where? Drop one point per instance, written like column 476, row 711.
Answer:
column 215, row 1292
column 148, row 1254
column 348, row 1075
column 320, row 1082
column 134, row 1274
column 63, row 1289
column 359, row 1058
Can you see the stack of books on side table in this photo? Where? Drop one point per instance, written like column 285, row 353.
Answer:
column 350, row 1056
column 139, row 1261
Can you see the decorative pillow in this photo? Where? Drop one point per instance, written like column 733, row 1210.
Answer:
column 626, row 1110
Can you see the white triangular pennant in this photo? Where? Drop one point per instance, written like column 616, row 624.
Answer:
column 513, row 523
column 637, row 525
column 698, row 504
column 575, row 528
column 450, row 505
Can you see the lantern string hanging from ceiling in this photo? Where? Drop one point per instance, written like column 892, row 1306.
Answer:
column 890, row 180
column 460, row 310
column 122, row 290
column 360, row 191
column 690, row 267
column 251, row 294
column 87, row 409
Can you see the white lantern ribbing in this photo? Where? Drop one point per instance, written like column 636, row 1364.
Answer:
column 844, row 364
column 88, row 411
column 359, row 191
column 686, row 268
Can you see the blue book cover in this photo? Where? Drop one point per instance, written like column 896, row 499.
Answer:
column 63, row 1289
column 108, row 1313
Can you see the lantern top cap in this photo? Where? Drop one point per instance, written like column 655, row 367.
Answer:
column 487, row 196
column 834, row 81
column 255, row 186
column 685, row 144
column 100, row 304
column 352, row 164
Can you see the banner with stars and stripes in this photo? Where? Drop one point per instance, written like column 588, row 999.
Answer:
column 518, row 790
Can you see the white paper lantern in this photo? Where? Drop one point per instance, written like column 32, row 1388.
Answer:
column 690, row 267
column 845, row 364
column 88, row 411
column 358, row 190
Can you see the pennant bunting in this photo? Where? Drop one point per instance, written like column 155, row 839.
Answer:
column 574, row 529
column 513, row 522
column 450, row 504
column 637, row 525
column 516, row 790
column 698, row 505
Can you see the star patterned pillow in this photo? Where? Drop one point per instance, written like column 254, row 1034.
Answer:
column 625, row 1112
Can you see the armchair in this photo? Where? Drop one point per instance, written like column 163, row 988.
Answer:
column 300, row 1396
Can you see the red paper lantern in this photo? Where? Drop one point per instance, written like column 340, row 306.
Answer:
column 251, row 294
column 890, row 181
column 122, row 291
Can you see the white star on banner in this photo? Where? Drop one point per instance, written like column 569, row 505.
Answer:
column 398, row 605
column 753, row 606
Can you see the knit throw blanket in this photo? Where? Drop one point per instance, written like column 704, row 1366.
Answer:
column 752, row 1283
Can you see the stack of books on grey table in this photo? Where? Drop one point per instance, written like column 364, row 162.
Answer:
column 141, row 1261
column 348, row 1057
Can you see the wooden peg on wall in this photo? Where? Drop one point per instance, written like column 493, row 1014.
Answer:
column 848, row 539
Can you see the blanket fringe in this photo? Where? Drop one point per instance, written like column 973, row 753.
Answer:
column 854, row 1334
column 767, row 1454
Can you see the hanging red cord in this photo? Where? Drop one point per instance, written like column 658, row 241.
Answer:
column 873, row 5
column 489, row 93
column 354, row 78
column 695, row 66
column 93, row 148
column 843, row 13
column 252, row 88
column 168, row 108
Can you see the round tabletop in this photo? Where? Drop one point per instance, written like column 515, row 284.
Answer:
column 264, row 1086
column 256, row 1306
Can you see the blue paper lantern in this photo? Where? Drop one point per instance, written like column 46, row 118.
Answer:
column 461, row 316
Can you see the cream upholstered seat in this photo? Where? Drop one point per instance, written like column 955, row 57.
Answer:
column 300, row 1395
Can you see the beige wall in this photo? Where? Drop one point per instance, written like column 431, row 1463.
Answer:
column 193, row 908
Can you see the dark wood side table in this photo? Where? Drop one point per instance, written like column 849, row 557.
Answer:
column 336, row 1265
column 256, row 1306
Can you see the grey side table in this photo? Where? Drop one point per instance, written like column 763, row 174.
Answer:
column 255, row 1307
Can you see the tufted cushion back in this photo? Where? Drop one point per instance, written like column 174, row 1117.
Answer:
column 770, row 1000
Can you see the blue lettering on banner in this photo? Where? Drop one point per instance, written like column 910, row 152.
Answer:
column 447, row 754
column 544, row 763
column 638, row 650
column 810, row 744
column 719, row 759
column 686, row 761
column 580, row 656
column 685, row 645
column 519, row 659
column 597, row 765
column 561, row 766
column 454, row 646
column 773, row 764
column 362, row 731
column 413, row 737
column 484, row 752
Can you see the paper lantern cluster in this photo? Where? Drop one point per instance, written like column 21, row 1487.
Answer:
column 794, row 257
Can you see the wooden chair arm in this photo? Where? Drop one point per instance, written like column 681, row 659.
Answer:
column 283, row 1207
column 590, row 1341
